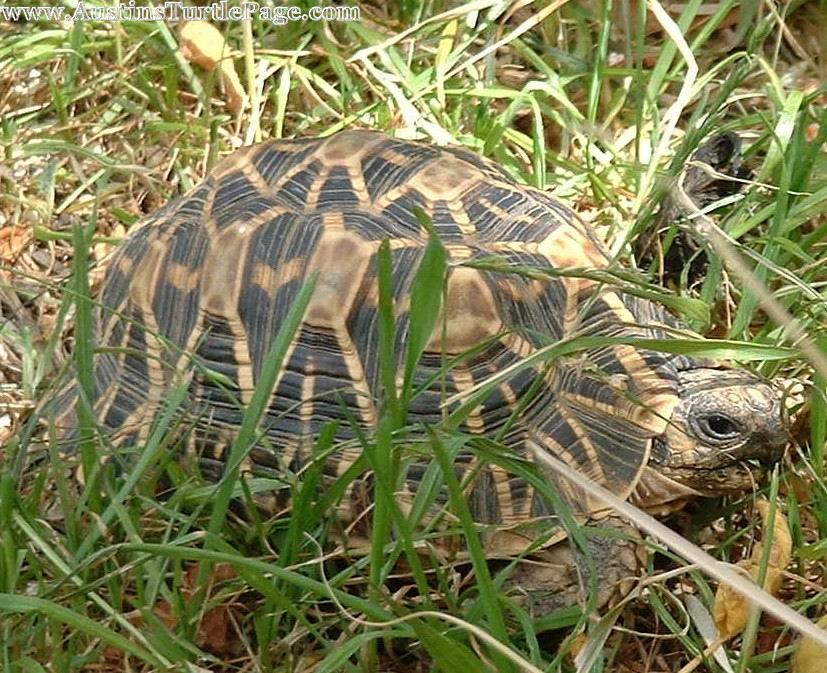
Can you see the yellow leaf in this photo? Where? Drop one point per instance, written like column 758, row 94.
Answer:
column 203, row 44
column 236, row 98
column 446, row 45
column 811, row 655
column 782, row 542
column 731, row 609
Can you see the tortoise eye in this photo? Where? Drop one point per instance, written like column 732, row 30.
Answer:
column 717, row 428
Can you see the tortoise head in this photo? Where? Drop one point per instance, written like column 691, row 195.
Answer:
column 727, row 427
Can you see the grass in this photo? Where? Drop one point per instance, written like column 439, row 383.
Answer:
column 102, row 123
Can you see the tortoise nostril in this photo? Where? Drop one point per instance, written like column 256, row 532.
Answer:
column 771, row 443
column 770, row 455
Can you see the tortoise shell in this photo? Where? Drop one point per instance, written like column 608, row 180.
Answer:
column 210, row 277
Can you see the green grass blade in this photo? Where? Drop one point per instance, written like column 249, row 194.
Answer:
column 459, row 506
column 387, row 330
column 16, row 604
column 243, row 563
column 426, row 302
column 150, row 454
column 339, row 656
column 255, row 410
column 302, row 517
column 84, row 361
column 448, row 654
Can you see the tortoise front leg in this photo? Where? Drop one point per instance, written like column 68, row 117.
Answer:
column 562, row 575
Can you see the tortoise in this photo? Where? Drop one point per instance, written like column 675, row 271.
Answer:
column 201, row 287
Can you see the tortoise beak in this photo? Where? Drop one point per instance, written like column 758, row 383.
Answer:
column 769, row 434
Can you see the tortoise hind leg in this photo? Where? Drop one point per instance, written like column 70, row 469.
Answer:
column 564, row 575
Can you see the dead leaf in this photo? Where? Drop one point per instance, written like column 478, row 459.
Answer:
column 576, row 644
column 236, row 98
column 731, row 609
column 782, row 542
column 14, row 240
column 214, row 631
column 810, row 656
column 203, row 44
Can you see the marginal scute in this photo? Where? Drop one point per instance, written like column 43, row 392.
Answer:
column 237, row 160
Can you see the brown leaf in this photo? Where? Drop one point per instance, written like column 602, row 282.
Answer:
column 14, row 240
column 214, row 631
column 731, row 609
